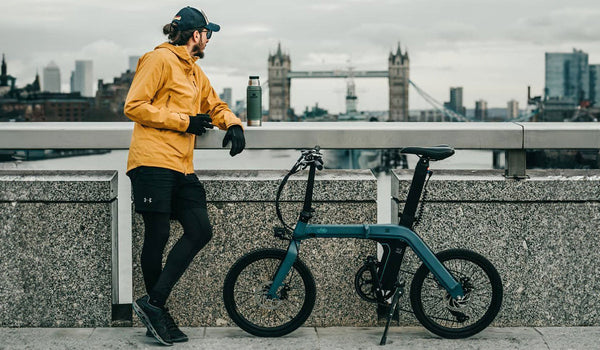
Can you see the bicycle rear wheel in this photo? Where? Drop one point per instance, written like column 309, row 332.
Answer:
column 451, row 318
column 245, row 294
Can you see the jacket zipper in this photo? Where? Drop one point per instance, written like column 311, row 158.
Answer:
column 196, row 92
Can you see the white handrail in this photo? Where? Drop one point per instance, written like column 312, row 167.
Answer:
column 329, row 135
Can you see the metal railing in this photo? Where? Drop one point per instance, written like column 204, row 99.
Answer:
column 515, row 138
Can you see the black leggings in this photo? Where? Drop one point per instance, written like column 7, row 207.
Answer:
column 197, row 232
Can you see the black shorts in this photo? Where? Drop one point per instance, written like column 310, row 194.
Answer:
column 165, row 190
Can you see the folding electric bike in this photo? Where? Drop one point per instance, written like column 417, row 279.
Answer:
column 454, row 294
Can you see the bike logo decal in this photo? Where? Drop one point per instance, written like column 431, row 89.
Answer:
column 322, row 230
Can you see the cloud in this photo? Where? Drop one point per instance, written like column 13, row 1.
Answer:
column 325, row 7
column 246, row 29
column 491, row 47
column 573, row 25
column 320, row 59
column 101, row 48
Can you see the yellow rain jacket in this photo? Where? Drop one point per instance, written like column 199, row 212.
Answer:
column 167, row 88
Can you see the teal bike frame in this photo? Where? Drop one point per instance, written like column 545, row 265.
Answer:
column 394, row 238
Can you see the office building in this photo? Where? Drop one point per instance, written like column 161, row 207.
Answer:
column 82, row 78
column 481, row 110
column 110, row 98
column 512, row 109
column 567, row 76
column 456, row 101
column 595, row 84
column 51, row 78
column 226, row 96
column 133, row 60
column 431, row 115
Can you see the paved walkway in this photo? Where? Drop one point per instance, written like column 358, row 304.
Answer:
column 304, row 338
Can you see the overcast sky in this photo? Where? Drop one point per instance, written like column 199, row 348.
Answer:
column 494, row 49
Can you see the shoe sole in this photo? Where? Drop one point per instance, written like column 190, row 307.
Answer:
column 146, row 321
column 174, row 340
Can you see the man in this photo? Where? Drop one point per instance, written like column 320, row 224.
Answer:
column 172, row 102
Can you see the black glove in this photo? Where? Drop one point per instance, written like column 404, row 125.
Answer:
column 235, row 133
column 199, row 124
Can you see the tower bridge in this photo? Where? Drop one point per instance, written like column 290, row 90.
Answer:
column 340, row 74
column 280, row 76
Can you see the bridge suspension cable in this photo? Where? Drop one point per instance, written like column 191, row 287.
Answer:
column 439, row 106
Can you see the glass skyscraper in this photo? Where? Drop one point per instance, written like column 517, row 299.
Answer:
column 51, row 78
column 595, row 84
column 456, row 101
column 567, row 76
column 82, row 79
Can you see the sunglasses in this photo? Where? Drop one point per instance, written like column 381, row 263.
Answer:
column 208, row 33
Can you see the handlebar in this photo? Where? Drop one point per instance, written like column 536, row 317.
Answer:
column 308, row 157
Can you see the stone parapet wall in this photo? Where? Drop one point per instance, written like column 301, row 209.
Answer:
column 242, row 211
column 58, row 246
column 56, row 231
column 541, row 233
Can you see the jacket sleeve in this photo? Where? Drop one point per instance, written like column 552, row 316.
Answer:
column 149, row 77
column 219, row 112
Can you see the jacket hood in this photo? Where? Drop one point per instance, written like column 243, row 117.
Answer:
column 180, row 51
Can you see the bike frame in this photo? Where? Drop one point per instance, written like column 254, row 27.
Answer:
column 394, row 239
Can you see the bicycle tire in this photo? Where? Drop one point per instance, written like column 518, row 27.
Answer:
column 483, row 288
column 264, row 325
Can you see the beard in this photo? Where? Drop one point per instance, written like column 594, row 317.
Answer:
column 197, row 51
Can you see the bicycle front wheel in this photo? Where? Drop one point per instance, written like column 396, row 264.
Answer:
column 245, row 294
column 447, row 317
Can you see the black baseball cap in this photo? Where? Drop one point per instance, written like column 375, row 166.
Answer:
column 191, row 18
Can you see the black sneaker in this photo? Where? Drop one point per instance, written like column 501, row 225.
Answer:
column 177, row 336
column 154, row 318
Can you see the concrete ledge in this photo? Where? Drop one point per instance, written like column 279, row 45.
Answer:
column 55, row 248
column 57, row 186
column 540, row 233
column 491, row 186
column 242, row 212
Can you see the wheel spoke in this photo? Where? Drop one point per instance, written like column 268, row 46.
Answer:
column 449, row 317
column 254, row 311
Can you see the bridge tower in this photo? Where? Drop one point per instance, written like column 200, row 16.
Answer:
column 279, row 86
column 399, row 70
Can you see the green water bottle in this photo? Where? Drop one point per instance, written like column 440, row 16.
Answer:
column 254, row 101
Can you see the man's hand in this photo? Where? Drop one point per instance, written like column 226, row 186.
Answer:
column 199, row 124
column 235, row 134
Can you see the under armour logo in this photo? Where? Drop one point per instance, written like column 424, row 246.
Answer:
column 148, row 200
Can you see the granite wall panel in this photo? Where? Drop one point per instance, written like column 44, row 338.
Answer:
column 541, row 234
column 242, row 211
column 56, row 230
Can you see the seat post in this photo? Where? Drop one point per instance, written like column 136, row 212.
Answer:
column 414, row 194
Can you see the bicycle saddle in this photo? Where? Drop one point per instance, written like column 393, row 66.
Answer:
column 433, row 153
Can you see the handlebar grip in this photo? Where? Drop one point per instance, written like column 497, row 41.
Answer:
column 319, row 163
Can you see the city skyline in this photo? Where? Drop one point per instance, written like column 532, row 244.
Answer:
column 493, row 58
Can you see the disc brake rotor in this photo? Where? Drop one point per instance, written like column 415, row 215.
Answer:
column 262, row 299
column 459, row 303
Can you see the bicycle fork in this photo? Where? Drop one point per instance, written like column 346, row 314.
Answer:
column 284, row 268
